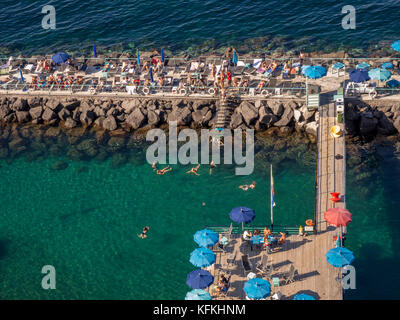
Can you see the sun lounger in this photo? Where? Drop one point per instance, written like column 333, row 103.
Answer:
column 289, row 276
column 246, row 264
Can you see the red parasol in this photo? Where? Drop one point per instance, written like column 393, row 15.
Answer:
column 338, row 216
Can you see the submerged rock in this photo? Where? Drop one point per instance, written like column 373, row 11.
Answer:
column 59, row 165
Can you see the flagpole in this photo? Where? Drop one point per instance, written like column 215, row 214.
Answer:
column 272, row 203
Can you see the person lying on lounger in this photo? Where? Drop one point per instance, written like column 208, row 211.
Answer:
column 260, row 85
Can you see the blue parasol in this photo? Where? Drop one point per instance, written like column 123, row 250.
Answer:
column 202, row 257
column 387, row 65
column 340, row 257
column 162, row 55
column 396, row 45
column 198, row 294
column 359, row 75
column 94, row 51
column 257, row 288
column 22, row 77
column 303, row 296
column 234, row 58
column 206, row 238
column 60, row 57
column 314, row 72
column 242, row 215
column 379, row 74
column 151, row 74
column 393, row 83
column 199, row 279
column 138, row 56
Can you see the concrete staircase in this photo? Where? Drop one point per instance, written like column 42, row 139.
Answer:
column 224, row 112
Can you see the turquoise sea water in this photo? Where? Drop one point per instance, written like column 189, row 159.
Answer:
column 179, row 25
column 84, row 221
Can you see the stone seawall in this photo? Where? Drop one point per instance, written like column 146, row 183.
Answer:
column 116, row 114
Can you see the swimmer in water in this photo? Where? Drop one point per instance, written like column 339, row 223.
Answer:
column 212, row 165
column 246, row 187
column 154, row 165
column 144, row 232
column 194, row 170
column 163, row 171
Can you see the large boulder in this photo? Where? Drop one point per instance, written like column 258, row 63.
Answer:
column 20, row 105
column 22, row 116
column 311, row 128
column 136, row 119
column 153, row 118
column 36, row 112
column 266, row 117
column 70, row 123
column 48, row 115
column 129, row 105
column 236, row 120
column 368, row 124
column 396, row 123
column 87, row 117
column 64, row 114
column 4, row 111
column 276, row 107
column 249, row 112
column 385, row 126
column 286, row 118
column 183, row 116
column 110, row 123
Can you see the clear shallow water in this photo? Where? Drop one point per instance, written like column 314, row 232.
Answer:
column 84, row 222
column 183, row 24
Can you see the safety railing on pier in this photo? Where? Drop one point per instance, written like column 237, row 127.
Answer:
column 291, row 230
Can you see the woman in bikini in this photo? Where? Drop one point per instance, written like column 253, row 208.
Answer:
column 163, row 171
column 194, row 170
column 246, row 187
column 144, row 232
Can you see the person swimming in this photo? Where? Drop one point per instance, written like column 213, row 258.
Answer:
column 154, row 165
column 246, row 187
column 212, row 166
column 194, row 170
column 163, row 171
column 144, row 232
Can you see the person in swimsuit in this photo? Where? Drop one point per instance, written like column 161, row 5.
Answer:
column 212, row 166
column 163, row 171
column 246, row 187
column 154, row 165
column 194, row 170
column 144, row 232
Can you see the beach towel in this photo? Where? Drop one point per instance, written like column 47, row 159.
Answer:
column 194, row 66
column 257, row 63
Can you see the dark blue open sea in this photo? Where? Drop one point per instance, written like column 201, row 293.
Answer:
column 83, row 220
column 196, row 25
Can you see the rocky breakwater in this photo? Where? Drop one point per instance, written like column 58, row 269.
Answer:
column 108, row 114
column 368, row 120
column 131, row 114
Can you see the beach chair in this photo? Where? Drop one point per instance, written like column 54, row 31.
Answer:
column 246, row 264
column 288, row 277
